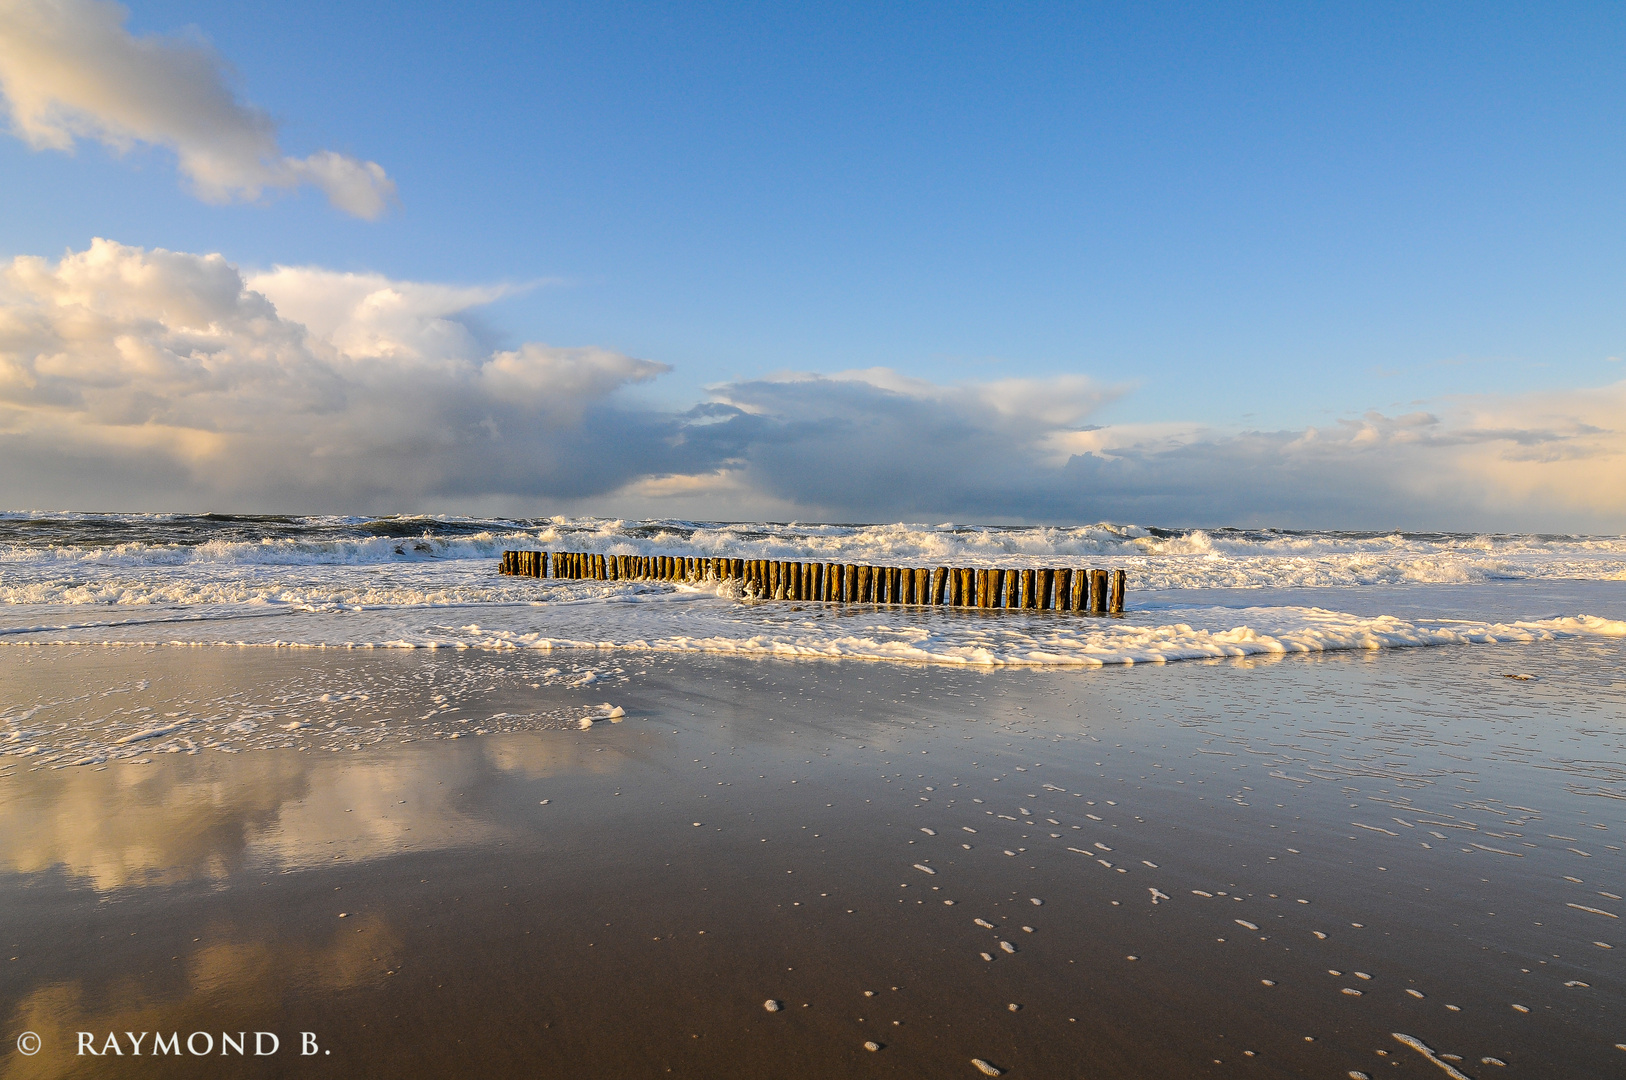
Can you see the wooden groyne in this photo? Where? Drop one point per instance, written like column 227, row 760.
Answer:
column 1075, row 589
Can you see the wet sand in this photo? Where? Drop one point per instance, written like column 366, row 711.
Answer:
column 1253, row 868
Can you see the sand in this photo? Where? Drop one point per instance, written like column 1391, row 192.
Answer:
column 1265, row 868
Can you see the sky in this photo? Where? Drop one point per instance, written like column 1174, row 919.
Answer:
column 1329, row 266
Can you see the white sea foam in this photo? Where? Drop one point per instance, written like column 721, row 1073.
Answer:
column 433, row 583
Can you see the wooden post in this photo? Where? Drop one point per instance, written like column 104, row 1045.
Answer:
column 1064, row 589
column 940, row 580
column 1047, row 583
column 1119, row 583
column 1030, row 597
column 1007, row 597
column 862, row 592
column 1098, row 592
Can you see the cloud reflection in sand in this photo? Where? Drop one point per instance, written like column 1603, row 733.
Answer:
column 208, row 816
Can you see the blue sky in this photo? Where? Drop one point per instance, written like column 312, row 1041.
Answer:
column 1232, row 218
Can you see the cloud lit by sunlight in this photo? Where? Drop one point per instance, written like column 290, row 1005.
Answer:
column 70, row 70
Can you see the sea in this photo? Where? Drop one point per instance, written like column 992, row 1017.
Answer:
column 95, row 581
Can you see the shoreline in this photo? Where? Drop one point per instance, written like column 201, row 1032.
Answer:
column 567, row 935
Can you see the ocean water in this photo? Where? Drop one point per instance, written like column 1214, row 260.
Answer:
column 380, row 586
column 432, row 582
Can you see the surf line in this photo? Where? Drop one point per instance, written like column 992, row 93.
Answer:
column 1081, row 590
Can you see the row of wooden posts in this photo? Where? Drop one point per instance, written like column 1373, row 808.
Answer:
column 1096, row 592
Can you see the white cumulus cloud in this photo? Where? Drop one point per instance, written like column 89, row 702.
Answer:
column 70, row 70
column 135, row 377
column 148, row 379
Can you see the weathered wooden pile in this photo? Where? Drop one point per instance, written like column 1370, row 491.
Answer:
column 1095, row 592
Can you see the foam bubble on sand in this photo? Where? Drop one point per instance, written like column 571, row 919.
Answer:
column 1422, row 1048
column 985, row 1068
column 771, row 1005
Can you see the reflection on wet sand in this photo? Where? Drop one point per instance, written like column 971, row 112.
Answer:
column 208, row 816
column 230, row 984
column 1154, row 873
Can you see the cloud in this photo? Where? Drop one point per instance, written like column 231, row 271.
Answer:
column 873, row 446
column 70, row 70
column 152, row 379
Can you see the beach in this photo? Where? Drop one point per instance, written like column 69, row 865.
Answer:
column 1266, row 865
